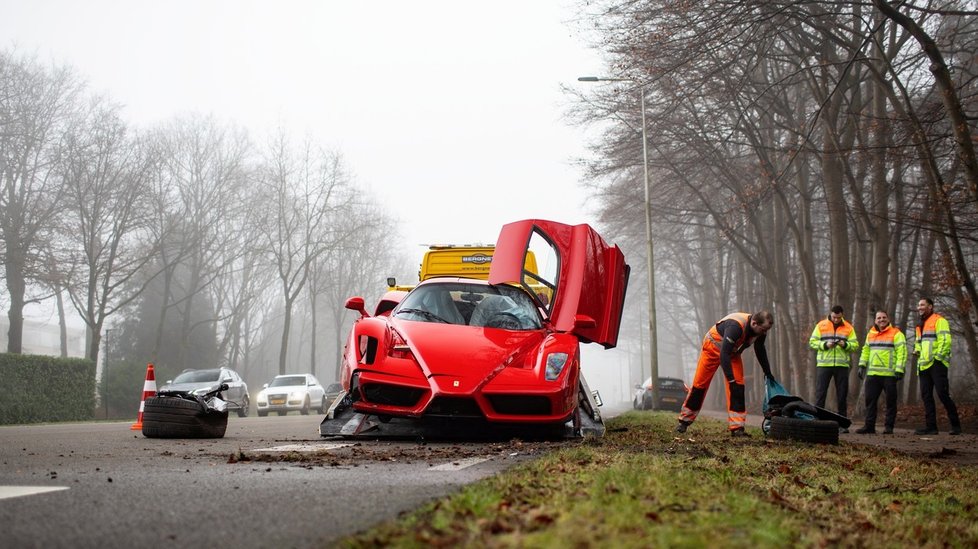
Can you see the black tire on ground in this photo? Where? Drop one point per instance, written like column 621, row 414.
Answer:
column 243, row 410
column 262, row 414
column 805, row 430
column 174, row 417
column 323, row 406
column 283, row 412
column 305, row 407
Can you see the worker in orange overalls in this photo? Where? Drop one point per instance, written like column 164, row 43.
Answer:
column 722, row 347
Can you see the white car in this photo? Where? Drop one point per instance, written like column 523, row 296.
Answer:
column 292, row 392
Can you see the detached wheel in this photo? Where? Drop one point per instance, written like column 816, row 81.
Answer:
column 174, row 417
column 805, row 430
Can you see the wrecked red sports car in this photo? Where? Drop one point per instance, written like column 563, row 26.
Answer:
column 502, row 352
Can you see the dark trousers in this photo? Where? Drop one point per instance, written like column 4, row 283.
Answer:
column 841, row 376
column 875, row 385
column 931, row 379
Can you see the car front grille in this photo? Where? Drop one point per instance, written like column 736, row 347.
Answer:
column 391, row 395
column 520, row 405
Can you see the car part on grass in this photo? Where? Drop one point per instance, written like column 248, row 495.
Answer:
column 788, row 417
column 183, row 414
column 805, row 430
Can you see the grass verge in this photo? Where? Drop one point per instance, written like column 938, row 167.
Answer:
column 642, row 486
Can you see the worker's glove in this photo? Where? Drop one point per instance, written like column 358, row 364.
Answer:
column 844, row 344
column 862, row 372
column 899, row 376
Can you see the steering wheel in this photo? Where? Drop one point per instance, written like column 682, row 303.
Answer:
column 505, row 321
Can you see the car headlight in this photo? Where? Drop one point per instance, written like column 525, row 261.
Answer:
column 555, row 365
column 262, row 399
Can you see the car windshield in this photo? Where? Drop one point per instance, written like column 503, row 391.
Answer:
column 198, row 376
column 482, row 305
column 288, row 381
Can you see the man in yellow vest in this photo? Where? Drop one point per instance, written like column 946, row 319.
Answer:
column 932, row 346
column 882, row 364
column 835, row 340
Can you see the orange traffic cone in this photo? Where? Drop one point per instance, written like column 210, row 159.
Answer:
column 149, row 389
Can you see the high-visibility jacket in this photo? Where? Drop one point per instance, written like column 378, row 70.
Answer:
column 885, row 352
column 837, row 356
column 933, row 342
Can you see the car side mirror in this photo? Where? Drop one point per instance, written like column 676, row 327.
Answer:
column 584, row 322
column 391, row 282
column 356, row 304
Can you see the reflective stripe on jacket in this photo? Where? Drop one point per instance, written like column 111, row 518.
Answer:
column 837, row 356
column 934, row 343
column 739, row 345
column 885, row 353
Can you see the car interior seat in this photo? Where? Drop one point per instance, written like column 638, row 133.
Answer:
column 440, row 302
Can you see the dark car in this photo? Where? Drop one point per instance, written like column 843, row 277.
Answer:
column 672, row 394
column 202, row 381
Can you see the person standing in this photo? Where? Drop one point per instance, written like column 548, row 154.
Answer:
column 722, row 347
column 932, row 347
column 881, row 364
column 835, row 340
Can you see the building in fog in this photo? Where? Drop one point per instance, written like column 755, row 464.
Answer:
column 41, row 338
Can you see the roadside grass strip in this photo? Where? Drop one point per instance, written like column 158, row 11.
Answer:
column 644, row 486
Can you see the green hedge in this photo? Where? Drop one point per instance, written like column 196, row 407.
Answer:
column 36, row 388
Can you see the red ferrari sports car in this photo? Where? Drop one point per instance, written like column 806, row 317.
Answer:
column 502, row 352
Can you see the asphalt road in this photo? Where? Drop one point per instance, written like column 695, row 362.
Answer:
column 269, row 482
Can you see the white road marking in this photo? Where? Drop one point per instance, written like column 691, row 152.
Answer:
column 17, row 491
column 303, row 447
column 459, row 464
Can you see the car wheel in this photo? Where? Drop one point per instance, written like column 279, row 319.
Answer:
column 323, row 406
column 174, row 417
column 305, row 407
column 283, row 412
column 245, row 408
column 805, row 430
column 262, row 414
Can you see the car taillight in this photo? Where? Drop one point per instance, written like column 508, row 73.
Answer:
column 396, row 346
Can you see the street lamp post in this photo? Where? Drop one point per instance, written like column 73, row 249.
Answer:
column 653, row 336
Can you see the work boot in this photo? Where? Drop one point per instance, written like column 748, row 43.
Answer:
column 739, row 432
column 926, row 431
column 955, row 430
column 683, row 425
column 866, row 430
column 888, row 431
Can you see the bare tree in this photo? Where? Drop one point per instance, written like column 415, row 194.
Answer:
column 303, row 189
column 36, row 104
column 105, row 177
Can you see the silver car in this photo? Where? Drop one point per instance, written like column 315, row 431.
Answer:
column 292, row 392
column 203, row 381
